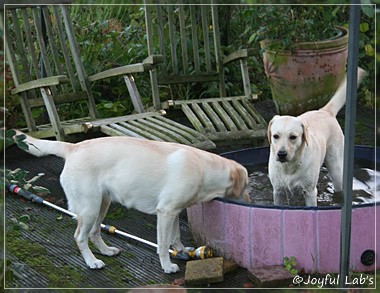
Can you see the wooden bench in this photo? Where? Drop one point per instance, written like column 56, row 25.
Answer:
column 47, row 70
column 188, row 39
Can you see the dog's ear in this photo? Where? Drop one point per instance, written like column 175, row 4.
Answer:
column 239, row 178
column 269, row 132
column 305, row 135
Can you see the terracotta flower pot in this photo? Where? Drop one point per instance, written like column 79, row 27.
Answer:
column 306, row 79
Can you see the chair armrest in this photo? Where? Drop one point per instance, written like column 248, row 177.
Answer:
column 122, row 70
column 153, row 59
column 147, row 64
column 237, row 55
column 39, row 83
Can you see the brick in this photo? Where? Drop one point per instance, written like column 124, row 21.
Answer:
column 229, row 266
column 272, row 276
column 205, row 271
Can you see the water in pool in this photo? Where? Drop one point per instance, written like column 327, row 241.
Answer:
column 365, row 186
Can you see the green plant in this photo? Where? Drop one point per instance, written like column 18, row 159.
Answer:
column 110, row 36
column 21, row 222
column 18, row 176
column 116, row 108
column 290, row 264
column 9, row 137
column 288, row 23
column 285, row 26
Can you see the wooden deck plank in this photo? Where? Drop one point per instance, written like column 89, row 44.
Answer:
column 147, row 130
column 164, row 130
column 181, row 102
column 203, row 118
column 244, row 114
column 106, row 121
column 193, row 118
column 174, row 127
column 117, row 130
column 213, row 116
column 224, row 116
column 140, row 131
column 180, row 126
column 258, row 118
column 234, row 115
column 198, row 139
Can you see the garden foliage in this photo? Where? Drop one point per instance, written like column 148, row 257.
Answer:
column 114, row 35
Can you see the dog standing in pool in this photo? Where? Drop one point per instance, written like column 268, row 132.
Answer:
column 300, row 145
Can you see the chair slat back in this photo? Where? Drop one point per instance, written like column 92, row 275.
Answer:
column 188, row 38
column 40, row 43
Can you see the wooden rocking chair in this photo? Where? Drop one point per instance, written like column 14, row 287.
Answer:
column 188, row 38
column 43, row 56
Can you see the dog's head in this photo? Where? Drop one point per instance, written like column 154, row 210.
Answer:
column 287, row 135
column 239, row 183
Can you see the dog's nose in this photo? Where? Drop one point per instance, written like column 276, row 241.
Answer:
column 282, row 155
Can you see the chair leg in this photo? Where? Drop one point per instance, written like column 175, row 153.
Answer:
column 134, row 93
column 53, row 114
column 245, row 75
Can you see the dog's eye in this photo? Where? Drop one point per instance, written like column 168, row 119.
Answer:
column 293, row 137
column 276, row 136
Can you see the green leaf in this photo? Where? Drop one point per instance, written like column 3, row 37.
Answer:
column 20, row 137
column 40, row 189
column 10, row 133
column 20, row 175
column 60, row 217
column 364, row 27
column 252, row 38
column 294, row 271
column 24, row 218
column 13, row 220
column 35, row 178
column 369, row 50
column 108, row 105
column 23, row 226
column 335, row 11
column 368, row 9
column 22, row 145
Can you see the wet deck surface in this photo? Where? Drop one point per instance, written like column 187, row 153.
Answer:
column 45, row 254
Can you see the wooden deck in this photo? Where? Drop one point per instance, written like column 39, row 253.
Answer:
column 46, row 256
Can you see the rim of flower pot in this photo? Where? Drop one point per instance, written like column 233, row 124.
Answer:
column 337, row 43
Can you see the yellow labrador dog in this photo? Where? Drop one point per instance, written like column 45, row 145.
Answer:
column 153, row 177
column 300, row 145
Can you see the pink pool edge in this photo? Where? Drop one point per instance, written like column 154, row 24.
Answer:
column 257, row 236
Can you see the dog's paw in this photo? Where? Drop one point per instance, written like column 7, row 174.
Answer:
column 173, row 268
column 96, row 265
column 111, row 251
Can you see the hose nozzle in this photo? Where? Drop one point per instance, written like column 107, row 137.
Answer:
column 201, row 252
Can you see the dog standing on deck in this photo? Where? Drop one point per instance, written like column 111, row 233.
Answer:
column 153, row 177
column 300, row 145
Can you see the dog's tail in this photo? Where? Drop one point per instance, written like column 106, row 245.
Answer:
column 339, row 99
column 42, row 147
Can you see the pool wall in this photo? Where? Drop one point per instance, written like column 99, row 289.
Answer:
column 257, row 236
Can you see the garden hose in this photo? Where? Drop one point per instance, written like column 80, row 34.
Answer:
column 190, row 253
